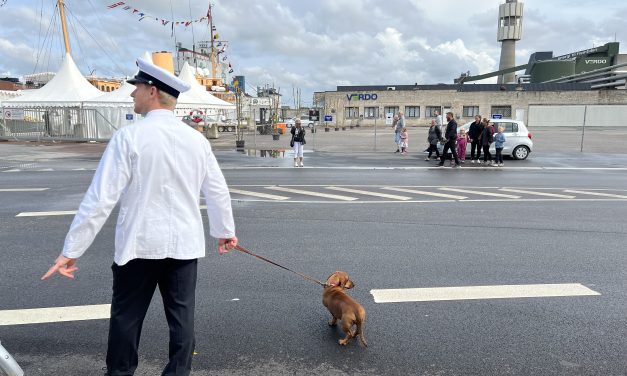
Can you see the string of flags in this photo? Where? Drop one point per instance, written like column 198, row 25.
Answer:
column 143, row 15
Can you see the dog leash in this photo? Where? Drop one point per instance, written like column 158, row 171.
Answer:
column 244, row 250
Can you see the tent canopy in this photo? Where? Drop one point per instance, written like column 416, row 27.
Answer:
column 198, row 95
column 68, row 88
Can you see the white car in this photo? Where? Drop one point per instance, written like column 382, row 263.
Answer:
column 518, row 142
column 304, row 121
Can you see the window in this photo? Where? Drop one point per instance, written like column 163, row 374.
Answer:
column 509, row 127
column 371, row 112
column 390, row 110
column 506, row 111
column 412, row 111
column 351, row 112
column 430, row 112
column 470, row 111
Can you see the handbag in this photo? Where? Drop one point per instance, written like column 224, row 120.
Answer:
column 292, row 142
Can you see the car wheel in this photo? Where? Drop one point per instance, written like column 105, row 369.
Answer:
column 220, row 128
column 231, row 129
column 520, row 152
column 310, row 125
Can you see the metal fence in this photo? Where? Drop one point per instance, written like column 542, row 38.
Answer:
column 59, row 124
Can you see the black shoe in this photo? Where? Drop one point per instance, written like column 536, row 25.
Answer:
column 397, row 151
column 440, row 164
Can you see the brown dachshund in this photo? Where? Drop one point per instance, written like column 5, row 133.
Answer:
column 343, row 307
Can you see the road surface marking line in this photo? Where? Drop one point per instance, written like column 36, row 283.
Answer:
column 13, row 170
column 46, row 213
column 426, row 193
column 480, row 292
column 45, row 169
column 535, row 193
column 478, row 193
column 317, row 194
column 594, row 193
column 369, row 193
column 56, row 314
column 258, row 194
column 23, row 189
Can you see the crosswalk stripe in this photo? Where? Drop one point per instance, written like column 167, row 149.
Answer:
column 258, row 194
column 23, row 189
column 480, row 193
column 426, row 193
column 309, row 193
column 46, row 213
column 535, row 193
column 594, row 193
column 480, row 292
column 13, row 170
column 368, row 193
column 55, row 314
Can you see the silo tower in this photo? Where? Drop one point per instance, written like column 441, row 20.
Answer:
column 509, row 31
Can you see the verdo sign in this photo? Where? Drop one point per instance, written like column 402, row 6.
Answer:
column 361, row 97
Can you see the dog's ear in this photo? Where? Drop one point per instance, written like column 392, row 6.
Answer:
column 349, row 284
column 333, row 280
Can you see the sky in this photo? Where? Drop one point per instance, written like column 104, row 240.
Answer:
column 313, row 45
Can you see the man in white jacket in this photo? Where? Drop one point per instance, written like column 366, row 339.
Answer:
column 156, row 168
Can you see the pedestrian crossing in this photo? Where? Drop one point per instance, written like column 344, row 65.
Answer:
column 409, row 194
column 381, row 194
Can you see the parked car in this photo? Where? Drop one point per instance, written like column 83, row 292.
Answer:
column 518, row 142
column 304, row 121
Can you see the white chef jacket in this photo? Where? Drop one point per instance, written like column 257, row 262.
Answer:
column 157, row 167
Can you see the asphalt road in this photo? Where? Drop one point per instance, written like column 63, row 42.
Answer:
column 256, row 319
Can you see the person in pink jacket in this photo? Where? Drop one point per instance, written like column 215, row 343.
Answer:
column 462, row 141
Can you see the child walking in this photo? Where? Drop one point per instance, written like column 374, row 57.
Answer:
column 462, row 141
column 499, row 141
column 404, row 141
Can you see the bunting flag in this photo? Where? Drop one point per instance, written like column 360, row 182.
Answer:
column 2, row 2
column 142, row 15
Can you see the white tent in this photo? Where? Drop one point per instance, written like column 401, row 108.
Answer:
column 68, row 88
column 115, row 107
column 198, row 95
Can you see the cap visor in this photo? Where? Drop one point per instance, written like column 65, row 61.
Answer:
column 137, row 80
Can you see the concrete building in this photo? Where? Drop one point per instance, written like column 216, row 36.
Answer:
column 509, row 31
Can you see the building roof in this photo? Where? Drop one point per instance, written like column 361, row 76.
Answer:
column 472, row 87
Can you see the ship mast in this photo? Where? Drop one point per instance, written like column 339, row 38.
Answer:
column 66, row 40
column 214, row 55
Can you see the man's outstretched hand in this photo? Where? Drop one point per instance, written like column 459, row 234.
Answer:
column 225, row 245
column 64, row 265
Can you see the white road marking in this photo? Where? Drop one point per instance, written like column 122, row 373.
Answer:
column 13, row 170
column 258, row 194
column 317, row 194
column 45, row 169
column 23, row 189
column 46, row 213
column 480, row 292
column 480, row 193
column 55, row 314
column 426, row 193
column 594, row 193
column 368, row 193
column 535, row 193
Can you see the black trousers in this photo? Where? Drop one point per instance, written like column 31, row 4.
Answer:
column 474, row 145
column 449, row 145
column 486, row 153
column 433, row 148
column 499, row 155
column 133, row 287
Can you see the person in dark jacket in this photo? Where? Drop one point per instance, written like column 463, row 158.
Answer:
column 434, row 136
column 297, row 142
column 474, row 131
column 450, row 136
column 486, row 139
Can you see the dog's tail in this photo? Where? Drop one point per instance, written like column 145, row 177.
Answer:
column 360, row 322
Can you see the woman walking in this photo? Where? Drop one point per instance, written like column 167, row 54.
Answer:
column 435, row 134
column 298, row 140
column 486, row 140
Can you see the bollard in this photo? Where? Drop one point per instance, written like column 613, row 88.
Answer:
column 8, row 364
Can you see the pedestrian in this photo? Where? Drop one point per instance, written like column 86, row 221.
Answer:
column 433, row 138
column 156, row 168
column 297, row 142
column 400, row 124
column 474, row 134
column 486, row 140
column 499, row 142
column 450, row 136
column 397, row 135
column 404, row 141
column 462, row 141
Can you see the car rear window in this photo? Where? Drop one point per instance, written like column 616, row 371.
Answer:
column 509, row 127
